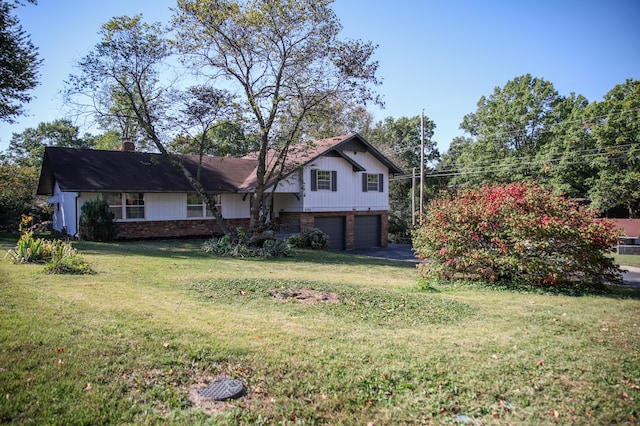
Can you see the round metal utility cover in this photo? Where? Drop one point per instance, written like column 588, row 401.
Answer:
column 223, row 388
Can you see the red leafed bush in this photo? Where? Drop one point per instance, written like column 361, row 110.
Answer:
column 520, row 233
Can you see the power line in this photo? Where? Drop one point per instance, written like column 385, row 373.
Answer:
column 536, row 158
column 520, row 162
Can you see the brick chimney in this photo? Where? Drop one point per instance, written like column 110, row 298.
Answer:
column 127, row 146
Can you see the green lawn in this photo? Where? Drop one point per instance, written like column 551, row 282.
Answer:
column 321, row 338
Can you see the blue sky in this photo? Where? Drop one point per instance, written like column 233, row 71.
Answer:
column 436, row 56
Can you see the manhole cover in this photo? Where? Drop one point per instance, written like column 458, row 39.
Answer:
column 222, row 389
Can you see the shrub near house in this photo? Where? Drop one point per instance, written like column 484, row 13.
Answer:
column 520, row 232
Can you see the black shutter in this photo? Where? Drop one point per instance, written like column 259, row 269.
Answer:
column 334, row 180
column 314, row 179
column 381, row 182
column 364, row 182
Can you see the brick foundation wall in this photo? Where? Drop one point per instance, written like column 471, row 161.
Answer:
column 173, row 228
column 288, row 222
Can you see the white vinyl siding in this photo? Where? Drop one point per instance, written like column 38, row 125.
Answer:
column 349, row 195
column 235, row 206
column 64, row 217
column 165, row 206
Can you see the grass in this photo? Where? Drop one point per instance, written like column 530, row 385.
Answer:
column 159, row 319
column 627, row 259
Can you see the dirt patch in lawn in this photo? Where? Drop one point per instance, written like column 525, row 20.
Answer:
column 305, row 296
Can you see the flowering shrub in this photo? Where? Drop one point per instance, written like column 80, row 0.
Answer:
column 59, row 256
column 520, row 232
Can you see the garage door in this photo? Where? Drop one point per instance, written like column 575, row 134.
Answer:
column 334, row 227
column 366, row 231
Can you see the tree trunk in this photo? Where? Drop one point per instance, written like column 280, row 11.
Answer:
column 259, row 238
column 195, row 183
column 256, row 206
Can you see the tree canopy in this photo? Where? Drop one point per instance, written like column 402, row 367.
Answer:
column 513, row 123
column 614, row 124
column 526, row 131
column 128, row 62
column 285, row 60
column 17, row 193
column 19, row 64
column 27, row 148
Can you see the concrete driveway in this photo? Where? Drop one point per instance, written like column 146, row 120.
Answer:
column 404, row 252
column 631, row 276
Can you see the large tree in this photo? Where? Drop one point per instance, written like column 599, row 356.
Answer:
column 128, row 63
column 19, row 63
column 27, row 148
column 285, row 60
column 615, row 125
column 509, row 128
column 564, row 161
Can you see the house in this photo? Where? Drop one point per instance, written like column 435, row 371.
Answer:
column 339, row 185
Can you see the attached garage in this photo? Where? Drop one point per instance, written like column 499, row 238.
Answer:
column 367, row 231
column 334, row 227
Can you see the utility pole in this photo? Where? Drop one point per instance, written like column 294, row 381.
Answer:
column 421, row 164
column 413, row 197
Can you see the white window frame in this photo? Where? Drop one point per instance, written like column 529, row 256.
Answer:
column 196, row 207
column 323, row 180
column 373, row 182
column 122, row 204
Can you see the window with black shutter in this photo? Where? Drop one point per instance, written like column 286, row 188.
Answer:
column 372, row 182
column 324, row 180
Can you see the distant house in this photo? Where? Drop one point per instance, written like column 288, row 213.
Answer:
column 339, row 185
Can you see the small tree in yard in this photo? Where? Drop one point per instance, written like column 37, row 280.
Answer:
column 520, row 232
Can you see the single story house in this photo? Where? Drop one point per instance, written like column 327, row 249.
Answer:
column 339, row 185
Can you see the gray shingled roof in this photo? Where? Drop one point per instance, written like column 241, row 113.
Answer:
column 121, row 171
column 87, row 170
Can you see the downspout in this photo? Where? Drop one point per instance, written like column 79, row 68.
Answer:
column 77, row 234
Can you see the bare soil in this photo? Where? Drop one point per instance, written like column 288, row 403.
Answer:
column 305, row 296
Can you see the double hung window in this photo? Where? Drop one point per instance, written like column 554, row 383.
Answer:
column 324, row 180
column 372, row 182
column 196, row 207
column 125, row 205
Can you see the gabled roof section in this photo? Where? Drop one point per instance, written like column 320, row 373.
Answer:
column 305, row 153
column 355, row 142
column 88, row 170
